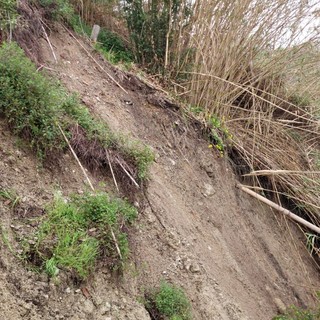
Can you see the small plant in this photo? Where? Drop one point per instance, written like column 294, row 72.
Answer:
column 9, row 196
column 218, row 133
column 168, row 303
column 312, row 239
column 76, row 233
column 295, row 313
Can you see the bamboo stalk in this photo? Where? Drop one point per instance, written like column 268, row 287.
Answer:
column 128, row 174
column 279, row 208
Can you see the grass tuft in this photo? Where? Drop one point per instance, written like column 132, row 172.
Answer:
column 168, row 302
column 75, row 233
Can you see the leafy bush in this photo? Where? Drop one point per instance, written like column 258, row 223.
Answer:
column 75, row 233
column 31, row 103
column 8, row 14
column 33, row 106
column 57, row 9
column 169, row 303
column 152, row 28
column 109, row 42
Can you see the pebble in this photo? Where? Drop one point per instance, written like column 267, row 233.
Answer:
column 209, row 191
column 105, row 308
column 88, row 307
column 68, row 290
column 280, row 305
column 195, row 268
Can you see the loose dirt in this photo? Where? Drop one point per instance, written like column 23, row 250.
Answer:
column 235, row 258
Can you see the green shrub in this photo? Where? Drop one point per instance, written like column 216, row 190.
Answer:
column 169, row 303
column 75, row 233
column 57, row 9
column 112, row 45
column 8, row 14
column 33, row 106
column 31, row 103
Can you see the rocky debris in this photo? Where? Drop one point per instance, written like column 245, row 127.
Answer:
column 208, row 190
column 280, row 305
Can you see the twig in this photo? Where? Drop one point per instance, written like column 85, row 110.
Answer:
column 128, row 174
column 96, row 62
column 91, row 186
column 279, row 208
column 113, row 176
column 47, row 38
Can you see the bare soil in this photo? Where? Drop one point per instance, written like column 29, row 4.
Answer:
column 235, row 258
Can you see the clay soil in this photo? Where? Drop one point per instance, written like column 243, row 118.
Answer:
column 235, row 258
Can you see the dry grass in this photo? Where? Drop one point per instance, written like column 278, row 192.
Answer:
column 251, row 65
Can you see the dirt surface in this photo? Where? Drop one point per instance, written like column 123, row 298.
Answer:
column 235, row 258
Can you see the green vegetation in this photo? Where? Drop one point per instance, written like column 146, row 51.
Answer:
column 9, row 196
column 8, row 15
column 57, row 9
column 113, row 47
column 75, row 233
column 31, row 103
column 152, row 28
column 295, row 313
column 33, row 106
column 168, row 303
column 219, row 134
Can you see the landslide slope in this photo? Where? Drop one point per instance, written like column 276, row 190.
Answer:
column 234, row 257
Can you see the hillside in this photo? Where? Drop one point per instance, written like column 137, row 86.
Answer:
column 234, row 257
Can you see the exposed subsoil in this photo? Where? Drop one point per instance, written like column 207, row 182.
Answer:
column 235, row 258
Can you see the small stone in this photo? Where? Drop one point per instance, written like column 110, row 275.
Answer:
column 68, row 290
column 88, row 307
column 195, row 268
column 105, row 308
column 280, row 305
column 209, row 191
column 11, row 159
column 77, row 291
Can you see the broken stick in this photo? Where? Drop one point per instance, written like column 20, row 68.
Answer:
column 279, row 208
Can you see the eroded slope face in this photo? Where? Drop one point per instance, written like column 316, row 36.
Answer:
column 235, row 258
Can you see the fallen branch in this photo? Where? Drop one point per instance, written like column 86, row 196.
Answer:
column 91, row 186
column 128, row 174
column 279, row 208
column 113, row 176
column 50, row 45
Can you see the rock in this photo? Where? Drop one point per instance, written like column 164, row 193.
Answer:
column 209, row 169
column 11, row 159
column 209, row 191
column 105, row 308
column 68, row 290
column 280, row 305
column 195, row 268
column 88, row 307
